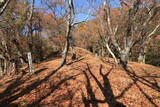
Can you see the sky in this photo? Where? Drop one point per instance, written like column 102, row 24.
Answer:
column 86, row 7
column 37, row 3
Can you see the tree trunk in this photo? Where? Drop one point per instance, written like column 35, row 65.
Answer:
column 124, row 56
column 5, row 67
column 1, row 65
column 72, row 46
column 65, row 53
column 73, row 53
column 1, row 71
column 110, row 51
column 142, row 54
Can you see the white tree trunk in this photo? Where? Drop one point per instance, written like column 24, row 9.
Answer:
column 115, row 59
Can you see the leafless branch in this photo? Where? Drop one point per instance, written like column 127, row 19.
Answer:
column 85, row 19
column 4, row 7
column 111, row 32
column 150, row 36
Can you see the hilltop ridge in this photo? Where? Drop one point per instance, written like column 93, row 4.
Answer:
column 89, row 80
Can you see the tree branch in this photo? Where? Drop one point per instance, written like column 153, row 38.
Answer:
column 85, row 19
column 150, row 36
column 111, row 32
column 4, row 7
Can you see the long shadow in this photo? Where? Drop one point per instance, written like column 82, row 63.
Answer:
column 6, row 101
column 125, row 90
column 41, row 70
column 12, row 88
column 90, row 92
column 141, row 79
column 105, row 89
column 53, row 88
column 84, row 99
column 75, row 61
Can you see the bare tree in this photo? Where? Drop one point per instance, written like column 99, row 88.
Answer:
column 105, row 38
column 70, row 25
column 124, row 54
column 70, row 19
column 132, row 29
column 147, row 35
column 145, row 43
column 30, row 38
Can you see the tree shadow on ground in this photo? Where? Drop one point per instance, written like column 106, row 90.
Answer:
column 105, row 89
column 104, row 86
column 40, row 70
column 53, row 87
column 141, row 79
column 8, row 95
column 12, row 88
column 75, row 61
column 13, row 92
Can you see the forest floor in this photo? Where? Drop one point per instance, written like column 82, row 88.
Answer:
column 87, row 81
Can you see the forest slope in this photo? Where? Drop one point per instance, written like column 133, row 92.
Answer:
column 90, row 81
